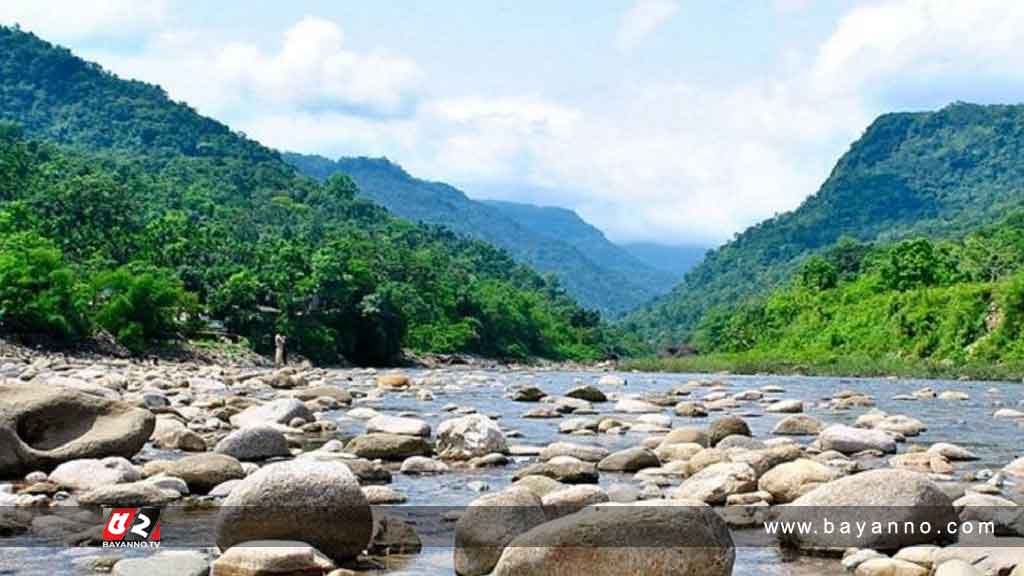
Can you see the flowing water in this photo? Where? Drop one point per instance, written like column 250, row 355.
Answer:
column 969, row 424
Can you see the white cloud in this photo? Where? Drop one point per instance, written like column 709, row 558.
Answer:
column 312, row 69
column 642, row 19
column 72, row 19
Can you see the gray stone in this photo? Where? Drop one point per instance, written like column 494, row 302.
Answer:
column 469, row 437
column 848, row 440
column 629, row 460
column 89, row 473
column 272, row 558
column 388, row 446
column 280, row 411
column 491, row 522
column 201, row 472
column 254, row 443
column 398, row 425
column 166, row 563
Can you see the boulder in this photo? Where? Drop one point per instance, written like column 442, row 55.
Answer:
column 41, row 427
column 952, row 452
column 610, row 540
column 423, row 465
column 588, row 393
column 572, row 499
column 320, row 503
column 280, row 411
column 489, row 523
column 562, row 468
column 889, row 567
column 690, row 410
column 201, row 472
column 629, row 460
column 636, row 406
column 791, row 480
column 798, row 425
column 611, row 380
column 879, row 495
column 1015, row 468
column 132, row 494
column 388, row 446
column 272, row 558
column 585, row 452
column 957, row 567
column 926, row 462
column 688, row 435
column 383, row 495
column 339, row 395
column 785, row 407
column 254, row 443
column 394, row 536
column 528, row 394
column 539, row 485
column 398, row 425
column 88, row 473
column 717, row 482
column 727, row 426
column 848, row 440
column 468, row 437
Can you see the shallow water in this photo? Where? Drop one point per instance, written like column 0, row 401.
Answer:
column 967, row 423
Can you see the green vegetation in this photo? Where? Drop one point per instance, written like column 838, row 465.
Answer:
column 553, row 241
column 124, row 211
column 915, row 306
column 934, row 174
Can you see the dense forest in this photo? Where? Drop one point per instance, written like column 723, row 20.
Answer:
column 935, row 174
column 555, row 241
column 946, row 302
column 123, row 211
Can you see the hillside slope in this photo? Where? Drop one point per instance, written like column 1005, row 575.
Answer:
column 676, row 260
column 593, row 270
column 937, row 174
column 123, row 210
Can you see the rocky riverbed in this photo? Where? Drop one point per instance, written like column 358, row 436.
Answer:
column 472, row 471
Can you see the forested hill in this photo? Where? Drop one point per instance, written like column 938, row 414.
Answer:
column 123, row 211
column 593, row 270
column 938, row 174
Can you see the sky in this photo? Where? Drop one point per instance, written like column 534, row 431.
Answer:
column 669, row 121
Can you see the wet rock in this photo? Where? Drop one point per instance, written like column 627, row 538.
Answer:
column 41, row 427
column 925, row 462
column 717, row 482
column 423, row 465
column 611, row 540
column 393, row 381
column 1005, row 515
column 88, row 473
column 690, row 410
column 201, row 472
column 528, row 394
column 316, row 502
column 393, row 536
column 588, row 393
column 629, row 460
column 739, row 441
column 273, row 557
column 489, row 460
column 791, row 480
column 398, row 425
column 960, row 568
column 562, row 468
column 383, row 495
column 280, row 411
column 489, row 524
column 952, row 452
column 848, row 440
column 726, row 426
column 688, row 435
column 539, row 485
column 166, row 563
column 677, row 452
column 572, row 425
column 611, row 380
column 636, row 406
column 339, row 395
column 468, row 437
column 584, row 452
column 904, row 496
column 254, row 443
column 388, row 446
column 785, row 407
column 1015, row 468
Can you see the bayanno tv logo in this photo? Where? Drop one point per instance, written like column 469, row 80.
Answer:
column 132, row 528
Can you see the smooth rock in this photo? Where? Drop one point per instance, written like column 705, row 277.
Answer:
column 489, row 524
column 254, row 443
column 468, row 437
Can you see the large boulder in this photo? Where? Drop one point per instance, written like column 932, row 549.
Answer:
column 132, row 494
column 200, row 472
column 491, row 522
column 89, row 473
column 629, row 460
column 791, row 480
column 469, row 437
column 727, row 426
column 315, row 502
column 883, row 496
column 848, row 440
column 563, row 469
column 280, row 411
column 798, row 425
column 585, row 452
column 41, row 427
column 688, row 539
column 717, row 482
column 394, row 447
column 267, row 558
column 254, row 443
column 166, row 563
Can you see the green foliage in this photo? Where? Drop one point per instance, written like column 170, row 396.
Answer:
column 598, row 273
column 139, row 216
column 914, row 300
column 935, row 174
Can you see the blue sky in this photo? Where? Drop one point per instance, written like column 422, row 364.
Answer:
column 673, row 121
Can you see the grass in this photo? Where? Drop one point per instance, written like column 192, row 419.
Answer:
column 852, row 366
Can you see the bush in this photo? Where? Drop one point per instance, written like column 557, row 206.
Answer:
column 142, row 304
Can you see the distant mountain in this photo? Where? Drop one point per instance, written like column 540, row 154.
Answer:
column 599, row 274
column 936, row 174
column 676, row 260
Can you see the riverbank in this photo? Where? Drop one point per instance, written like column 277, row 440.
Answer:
column 848, row 366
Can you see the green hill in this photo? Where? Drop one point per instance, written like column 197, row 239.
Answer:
column 597, row 273
column 124, row 211
column 936, row 174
